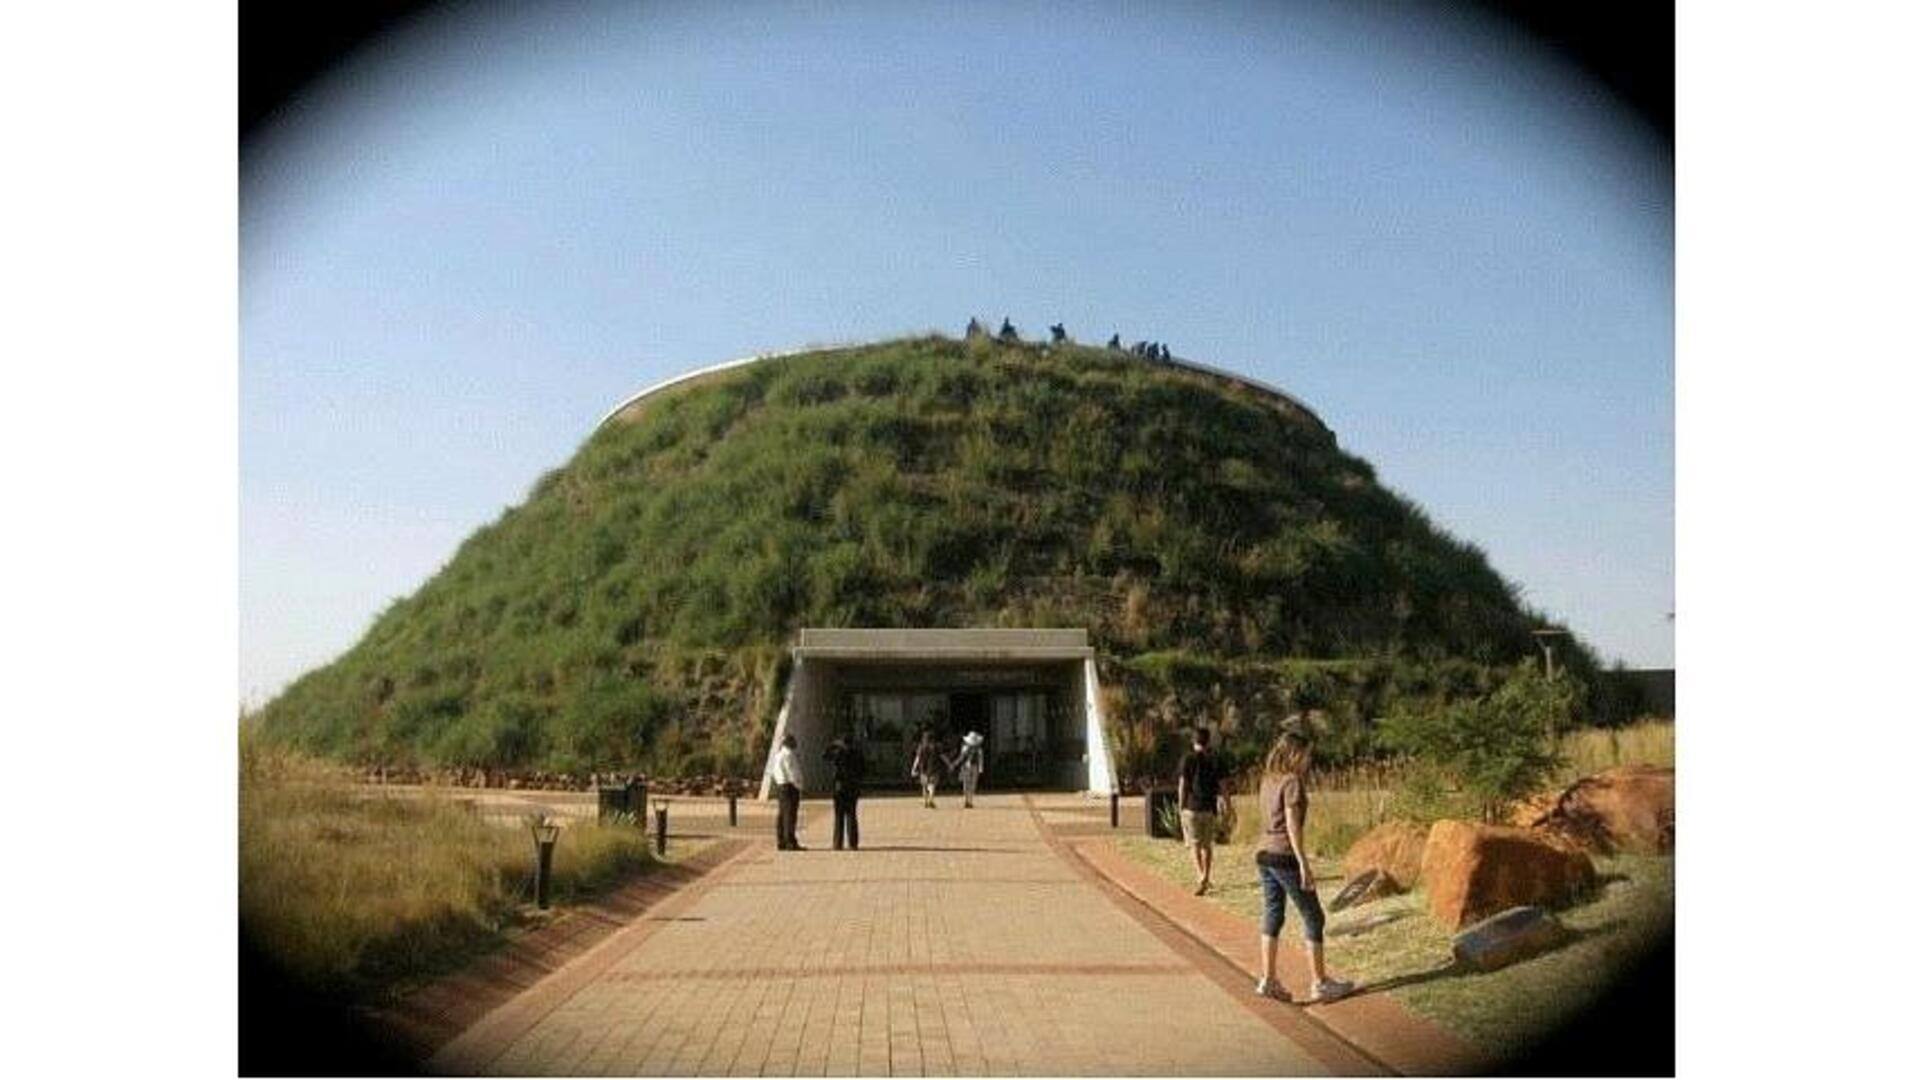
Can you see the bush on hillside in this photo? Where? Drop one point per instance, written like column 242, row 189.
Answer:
column 505, row 732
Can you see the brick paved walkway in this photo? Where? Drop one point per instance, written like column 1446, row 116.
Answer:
column 955, row 941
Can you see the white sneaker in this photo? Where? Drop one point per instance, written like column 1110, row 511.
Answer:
column 1331, row 990
column 1271, row 990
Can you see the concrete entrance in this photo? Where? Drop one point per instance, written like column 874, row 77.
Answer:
column 1033, row 694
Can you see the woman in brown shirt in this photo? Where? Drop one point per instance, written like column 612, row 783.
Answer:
column 1284, row 871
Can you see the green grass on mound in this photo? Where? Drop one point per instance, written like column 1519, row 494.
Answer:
column 635, row 609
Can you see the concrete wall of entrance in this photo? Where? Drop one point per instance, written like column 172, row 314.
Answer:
column 829, row 661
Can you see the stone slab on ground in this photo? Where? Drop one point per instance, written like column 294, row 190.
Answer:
column 1365, row 923
column 1369, row 885
column 1508, row 938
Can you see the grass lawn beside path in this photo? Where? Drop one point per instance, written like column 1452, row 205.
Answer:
column 1499, row 1012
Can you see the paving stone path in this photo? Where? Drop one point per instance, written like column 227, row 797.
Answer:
column 955, row 941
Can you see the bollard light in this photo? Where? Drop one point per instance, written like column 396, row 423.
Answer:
column 545, row 832
column 660, row 828
column 733, row 809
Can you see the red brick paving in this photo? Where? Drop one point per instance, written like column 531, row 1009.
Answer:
column 968, row 945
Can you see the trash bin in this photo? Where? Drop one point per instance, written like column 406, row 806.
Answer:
column 626, row 801
column 1163, row 813
column 613, row 802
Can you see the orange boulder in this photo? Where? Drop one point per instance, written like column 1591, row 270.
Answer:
column 1472, row 871
column 1532, row 811
column 1625, row 809
column 1392, row 847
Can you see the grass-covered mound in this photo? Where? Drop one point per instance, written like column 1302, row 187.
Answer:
column 634, row 611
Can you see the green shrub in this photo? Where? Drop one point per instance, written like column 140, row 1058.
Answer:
column 1428, row 793
column 1488, row 750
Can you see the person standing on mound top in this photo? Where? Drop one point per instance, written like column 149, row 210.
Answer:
column 1199, row 804
column 1285, row 873
column 926, row 767
column 971, row 762
column 785, row 772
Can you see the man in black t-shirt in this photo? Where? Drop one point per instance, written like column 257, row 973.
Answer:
column 1200, row 776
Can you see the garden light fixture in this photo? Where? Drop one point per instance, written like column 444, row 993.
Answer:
column 546, row 830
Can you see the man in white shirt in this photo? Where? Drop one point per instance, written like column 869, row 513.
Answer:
column 787, row 781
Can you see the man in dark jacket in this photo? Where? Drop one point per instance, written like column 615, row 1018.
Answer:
column 849, row 772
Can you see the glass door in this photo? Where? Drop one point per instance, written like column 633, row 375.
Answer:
column 1018, row 746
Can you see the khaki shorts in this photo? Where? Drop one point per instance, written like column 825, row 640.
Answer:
column 1198, row 825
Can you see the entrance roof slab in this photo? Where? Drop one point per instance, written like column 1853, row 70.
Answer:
column 932, row 644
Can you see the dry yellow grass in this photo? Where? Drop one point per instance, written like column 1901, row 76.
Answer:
column 1347, row 802
column 1592, row 750
column 351, row 890
column 1336, row 818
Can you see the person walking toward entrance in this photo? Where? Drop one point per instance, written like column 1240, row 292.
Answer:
column 849, row 772
column 1199, row 804
column 1285, row 873
column 926, row 767
column 787, row 781
column 970, row 764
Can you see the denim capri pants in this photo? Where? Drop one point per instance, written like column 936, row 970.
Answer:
column 1279, row 882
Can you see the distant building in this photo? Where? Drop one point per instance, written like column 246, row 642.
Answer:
column 1644, row 691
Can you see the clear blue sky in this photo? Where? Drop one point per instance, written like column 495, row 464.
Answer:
column 459, row 252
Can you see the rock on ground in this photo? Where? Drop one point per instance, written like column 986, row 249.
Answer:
column 1371, row 885
column 1511, row 936
column 1626, row 809
column 1392, row 847
column 1364, row 923
column 1472, row 871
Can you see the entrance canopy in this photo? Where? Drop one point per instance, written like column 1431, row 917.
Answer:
column 1032, row 694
